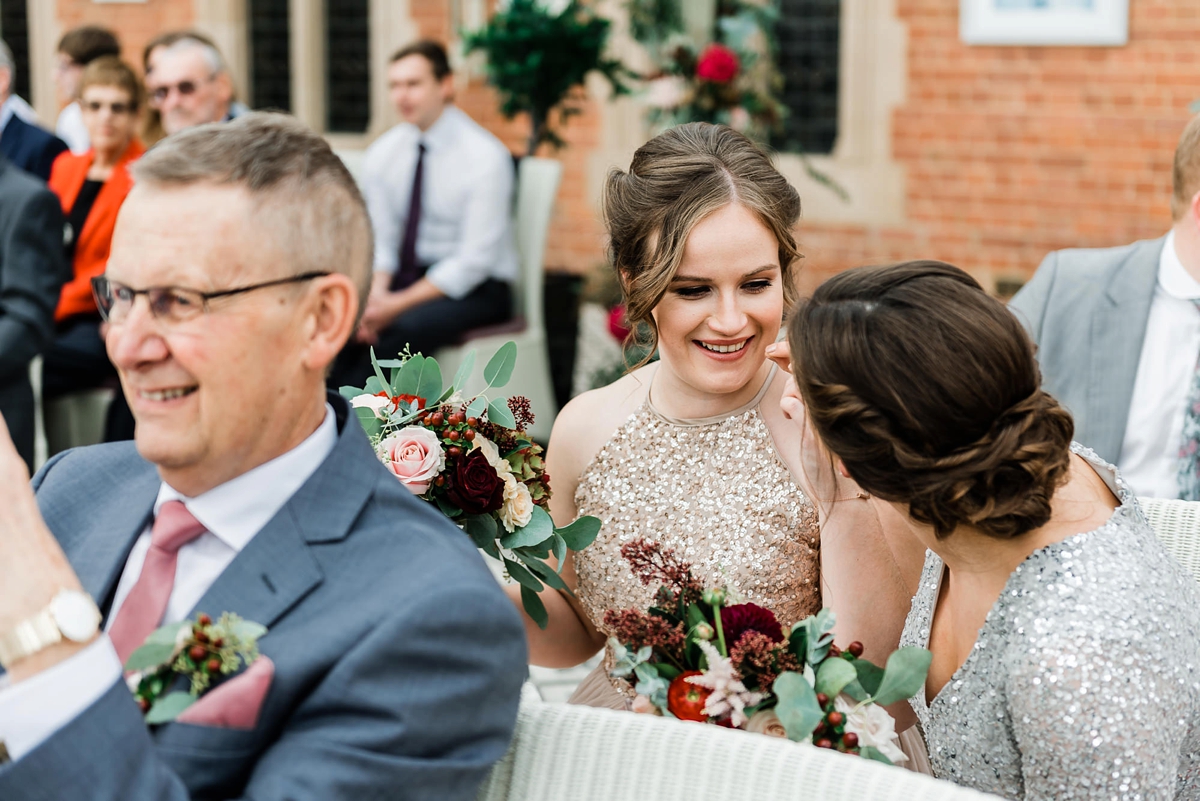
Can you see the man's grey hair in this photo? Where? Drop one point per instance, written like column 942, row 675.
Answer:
column 212, row 56
column 7, row 62
column 306, row 202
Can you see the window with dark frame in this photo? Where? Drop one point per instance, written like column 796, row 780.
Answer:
column 347, row 66
column 270, row 55
column 807, row 35
column 14, row 29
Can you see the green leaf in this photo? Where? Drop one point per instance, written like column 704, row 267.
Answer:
column 833, row 675
column 522, row 576
column 168, row 633
column 499, row 368
column 378, row 370
column 374, row 386
column 371, row 424
column 429, row 380
column 581, row 533
column 150, row 655
column 482, row 531
column 797, row 709
column 477, row 406
column 539, row 529
column 667, row 671
column 871, row 752
column 499, row 414
column 463, row 374
column 546, row 574
column 534, row 607
column 869, row 675
column 349, row 393
column 169, row 707
column 410, row 376
column 445, row 507
column 695, row 616
column 390, row 364
column 904, row 675
column 560, row 550
column 248, row 630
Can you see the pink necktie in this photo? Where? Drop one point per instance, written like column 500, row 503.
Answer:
column 146, row 603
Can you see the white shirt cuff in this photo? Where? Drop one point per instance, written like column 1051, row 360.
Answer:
column 32, row 711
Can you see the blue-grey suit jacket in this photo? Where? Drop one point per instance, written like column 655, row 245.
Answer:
column 398, row 658
column 1086, row 311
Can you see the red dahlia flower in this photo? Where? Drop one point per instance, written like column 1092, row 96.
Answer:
column 718, row 64
column 738, row 619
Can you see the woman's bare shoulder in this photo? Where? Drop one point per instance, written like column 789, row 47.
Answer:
column 589, row 420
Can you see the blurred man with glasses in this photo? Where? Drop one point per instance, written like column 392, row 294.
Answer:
column 190, row 85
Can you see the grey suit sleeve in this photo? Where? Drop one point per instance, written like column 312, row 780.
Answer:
column 1029, row 304
column 420, row 709
column 32, row 272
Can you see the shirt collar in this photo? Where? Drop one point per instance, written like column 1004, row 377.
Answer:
column 238, row 509
column 7, row 110
column 1173, row 277
column 442, row 131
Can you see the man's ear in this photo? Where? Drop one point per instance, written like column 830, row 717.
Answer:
column 1194, row 210
column 225, row 85
column 5, row 81
column 447, row 87
column 331, row 318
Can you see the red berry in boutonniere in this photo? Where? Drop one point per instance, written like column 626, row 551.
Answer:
column 204, row 620
column 686, row 700
column 475, row 487
column 197, row 653
column 213, row 665
column 850, row 740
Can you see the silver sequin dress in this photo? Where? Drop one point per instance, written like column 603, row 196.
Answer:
column 1083, row 683
column 716, row 491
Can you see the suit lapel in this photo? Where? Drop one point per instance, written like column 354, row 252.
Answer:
column 1118, row 329
column 277, row 569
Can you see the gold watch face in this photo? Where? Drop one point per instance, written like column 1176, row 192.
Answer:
column 76, row 615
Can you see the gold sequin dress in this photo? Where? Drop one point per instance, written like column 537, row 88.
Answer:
column 716, row 491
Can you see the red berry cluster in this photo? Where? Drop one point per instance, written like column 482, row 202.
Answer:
column 454, row 428
column 831, row 732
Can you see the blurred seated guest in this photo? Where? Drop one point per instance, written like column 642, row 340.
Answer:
column 152, row 129
column 76, row 49
column 1065, row 641
column 439, row 188
column 188, row 82
column 32, row 269
column 92, row 187
column 24, row 144
column 1118, row 338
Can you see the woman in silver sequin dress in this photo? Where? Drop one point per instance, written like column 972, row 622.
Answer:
column 693, row 451
column 1065, row 641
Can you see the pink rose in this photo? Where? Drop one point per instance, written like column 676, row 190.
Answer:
column 415, row 455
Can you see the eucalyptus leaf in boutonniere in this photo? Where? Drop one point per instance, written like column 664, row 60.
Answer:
column 201, row 650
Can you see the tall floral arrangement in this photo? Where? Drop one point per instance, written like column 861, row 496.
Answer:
column 729, row 79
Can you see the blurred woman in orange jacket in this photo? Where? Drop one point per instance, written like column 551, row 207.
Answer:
column 92, row 186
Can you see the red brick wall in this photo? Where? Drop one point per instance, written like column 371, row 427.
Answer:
column 134, row 23
column 1011, row 152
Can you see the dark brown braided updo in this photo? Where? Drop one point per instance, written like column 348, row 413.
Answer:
column 928, row 391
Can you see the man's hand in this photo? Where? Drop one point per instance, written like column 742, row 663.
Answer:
column 33, row 567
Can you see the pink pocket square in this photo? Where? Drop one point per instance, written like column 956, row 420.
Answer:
column 236, row 703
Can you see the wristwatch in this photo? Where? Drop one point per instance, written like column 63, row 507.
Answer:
column 71, row 615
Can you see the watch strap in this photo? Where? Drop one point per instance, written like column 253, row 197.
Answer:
column 28, row 637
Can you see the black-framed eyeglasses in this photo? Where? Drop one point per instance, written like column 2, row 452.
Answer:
column 185, row 89
column 172, row 304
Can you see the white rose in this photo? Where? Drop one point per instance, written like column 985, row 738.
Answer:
column 375, row 403
column 873, row 725
column 492, row 454
column 518, row 505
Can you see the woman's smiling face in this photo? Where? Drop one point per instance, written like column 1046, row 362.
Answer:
column 724, row 305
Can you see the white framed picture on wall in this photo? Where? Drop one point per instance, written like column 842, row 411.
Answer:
column 1044, row 22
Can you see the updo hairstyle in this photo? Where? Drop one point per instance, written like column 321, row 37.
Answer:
column 676, row 180
column 928, row 391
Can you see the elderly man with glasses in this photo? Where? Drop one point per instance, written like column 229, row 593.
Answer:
column 189, row 84
column 391, row 663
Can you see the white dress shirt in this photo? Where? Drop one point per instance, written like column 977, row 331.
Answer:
column 1150, row 451
column 30, row 712
column 465, row 232
column 70, row 128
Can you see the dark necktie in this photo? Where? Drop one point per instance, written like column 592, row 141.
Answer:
column 408, row 272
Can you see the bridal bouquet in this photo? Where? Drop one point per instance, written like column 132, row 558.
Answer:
column 471, row 456
column 700, row 655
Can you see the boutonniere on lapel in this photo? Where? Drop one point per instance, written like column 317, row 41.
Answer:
column 203, row 651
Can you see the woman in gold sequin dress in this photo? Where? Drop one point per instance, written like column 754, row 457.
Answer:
column 693, row 451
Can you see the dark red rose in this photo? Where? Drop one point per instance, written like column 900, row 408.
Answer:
column 718, row 64
column 738, row 619
column 475, row 487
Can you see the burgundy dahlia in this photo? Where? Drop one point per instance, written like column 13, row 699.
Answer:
column 738, row 619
